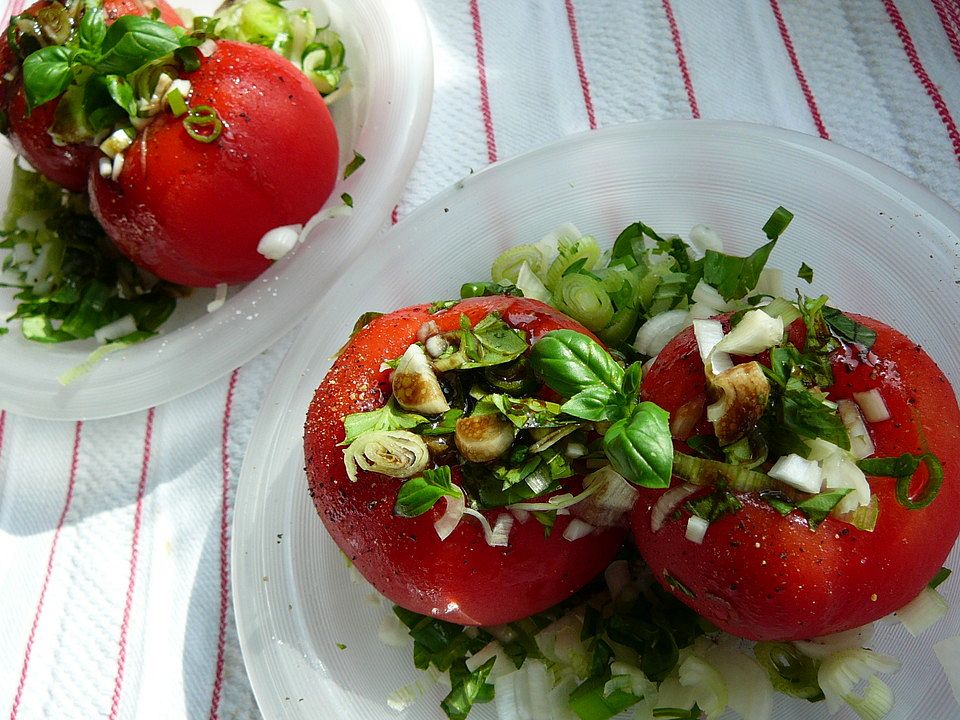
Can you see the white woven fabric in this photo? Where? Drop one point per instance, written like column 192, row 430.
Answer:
column 113, row 573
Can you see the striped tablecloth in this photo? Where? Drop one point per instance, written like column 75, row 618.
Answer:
column 114, row 534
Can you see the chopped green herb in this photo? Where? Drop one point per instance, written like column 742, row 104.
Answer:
column 418, row 495
column 941, row 575
column 817, row 507
column 353, row 165
column 389, row 417
column 347, row 199
column 805, row 273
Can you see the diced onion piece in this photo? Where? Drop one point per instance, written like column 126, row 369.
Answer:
column 613, row 497
column 923, row 611
column 703, row 237
column 447, row 522
column 948, row 653
column 116, row 329
column 843, row 671
column 825, row 645
column 755, row 333
column 219, row 299
column 105, row 166
column 797, row 472
column 393, row 632
column 872, row 405
column 279, row 241
column 708, row 296
column 861, row 444
column 499, row 534
column 708, row 333
column 707, row 684
column 427, row 330
column 839, row 471
column 684, row 420
column 770, row 282
column 720, row 361
column 655, row 333
column 116, row 143
column 116, row 167
column 207, row 48
column 524, row 694
column 667, row 503
column 749, row 692
column 493, row 649
column 696, row 529
column 577, row 529
column 521, row 515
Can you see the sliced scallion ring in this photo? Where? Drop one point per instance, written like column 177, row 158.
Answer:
column 203, row 124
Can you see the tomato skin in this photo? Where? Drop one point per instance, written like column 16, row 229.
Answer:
column 67, row 165
column 193, row 212
column 764, row 577
column 460, row 579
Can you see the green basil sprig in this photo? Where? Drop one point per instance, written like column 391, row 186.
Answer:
column 638, row 443
column 417, row 495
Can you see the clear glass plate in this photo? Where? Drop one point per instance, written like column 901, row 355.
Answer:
column 880, row 244
column 383, row 117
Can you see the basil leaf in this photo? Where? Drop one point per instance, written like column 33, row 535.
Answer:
column 132, row 41
column 805, row 272
column 93, row 27
column 640, row 447
column 593, row 404
column 714, row 506
column 570, row 362
column 46, row 74
column 419, row 494
column 806, row 414
column 734, row 277
column 848, row 328
column 467, row 688
column 439, row 643
column 523, row 412
column 632, row 377
column 817, row 508
column 388, row 417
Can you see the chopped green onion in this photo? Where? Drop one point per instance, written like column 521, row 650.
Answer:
column 735, row 478
column 580, row 255
column 203, row 124
column 506, row 268
column 176, row 102
column 583, row 298
column 353, row 165
column 774, row 227
column 347, row 199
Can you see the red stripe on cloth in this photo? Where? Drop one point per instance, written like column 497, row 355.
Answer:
column 949, row 16
column 581, row 69
column 132, row 581
column 921, row 72
column 71, row 483
column 482, row 76
column 681, row 58
column 798, row 71
column 224, row 546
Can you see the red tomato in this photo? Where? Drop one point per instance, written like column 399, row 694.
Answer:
column 765, row 577
column 193, row 212
column 66, row 165
column 461, row 579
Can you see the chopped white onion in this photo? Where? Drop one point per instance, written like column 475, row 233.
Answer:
column 116, row 143
column 696, row 529
column 219, row 299
column 493, row 649
column 116, row 329
column 525, row 694
column 843, row 671
column 872, row 405
column 770, row 282
column 861, row 444
column 530, row 285
column 22, row 252
column 708, row 333
column 499, row 534
column 207, row 48
column 707, row 684
column 436, row 345
column 749, row 692
column 576, row 530
column 923, row 611
column 613, row 496
column 393, row 632
column 428, row 329
column 840, row 471
column 521, row 515
column 116, row 167
column 279, row 241
column 668, row 502
column 709, row 296
column 755, row 333
column 703, row 237
column 447, row 522
column 821, row 647
column 948, row 653
column 105, row 166
column 655, row 333
column 797, row 472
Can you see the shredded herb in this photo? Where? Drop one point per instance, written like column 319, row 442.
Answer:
column 353, row 165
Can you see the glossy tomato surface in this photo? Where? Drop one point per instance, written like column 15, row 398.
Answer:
column 66, row 165
column 193, row 212
column 461, row 579
column 766, row 577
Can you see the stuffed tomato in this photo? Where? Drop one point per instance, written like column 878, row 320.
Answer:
column 446, row 473
column 816, row 475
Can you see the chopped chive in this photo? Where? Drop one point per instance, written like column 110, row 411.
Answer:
column 352, row 166
column 176, row 102
column 777, row 223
